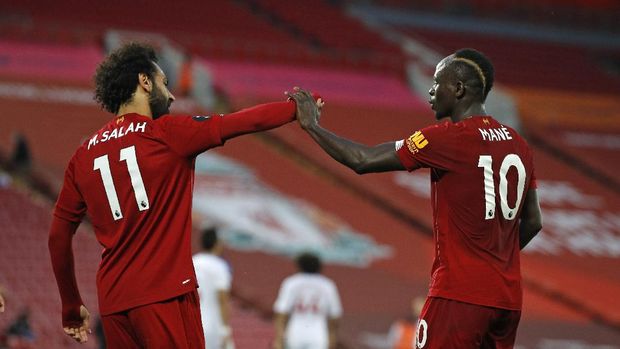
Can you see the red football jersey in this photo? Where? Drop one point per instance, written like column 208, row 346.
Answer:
column 134, row 178
column 480, row 173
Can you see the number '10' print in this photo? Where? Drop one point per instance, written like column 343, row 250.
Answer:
column 511, row 160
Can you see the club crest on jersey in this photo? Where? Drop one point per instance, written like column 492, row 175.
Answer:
column 201, row 118
column 416, row 141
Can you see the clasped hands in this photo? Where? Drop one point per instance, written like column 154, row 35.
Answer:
column 309, row 107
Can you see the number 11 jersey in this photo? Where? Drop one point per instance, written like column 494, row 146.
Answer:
column 481, row 171
column 134, row 179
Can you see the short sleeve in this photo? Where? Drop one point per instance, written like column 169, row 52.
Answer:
column 335, row 307
column 70, row 205
column 222, row 278
column 434, row 146
column 189, row 136
column 283, row 304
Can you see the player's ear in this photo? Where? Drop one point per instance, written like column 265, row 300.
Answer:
column 459, row 91
column 145, row 82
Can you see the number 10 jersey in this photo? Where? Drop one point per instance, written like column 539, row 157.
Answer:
column 481, row 171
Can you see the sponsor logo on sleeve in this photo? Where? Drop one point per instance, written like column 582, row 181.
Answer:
column 416, row 142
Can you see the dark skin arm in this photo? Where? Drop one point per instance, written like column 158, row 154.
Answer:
column 381, row 158
column 358, row 157
column 531, row 218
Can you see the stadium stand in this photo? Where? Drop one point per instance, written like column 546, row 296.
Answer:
column 575, row 256
column 27, row 273
column 238, row 30
column 597, row 14
column 520, row 62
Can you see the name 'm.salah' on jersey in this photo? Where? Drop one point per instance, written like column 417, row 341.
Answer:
column 134, row 179
column 480, row 173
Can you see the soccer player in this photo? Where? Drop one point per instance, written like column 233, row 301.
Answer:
column 214, row 277
column 402, row 332
column 134, row 180
column 485, row 204
column 307, row 309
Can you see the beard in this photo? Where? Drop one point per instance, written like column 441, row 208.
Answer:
column 159, row 104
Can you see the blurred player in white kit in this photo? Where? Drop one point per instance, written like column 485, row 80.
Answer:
column 214, row 278
column 307, row 308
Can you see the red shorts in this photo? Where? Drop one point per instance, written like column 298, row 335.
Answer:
column 446, row 323
column 174, row 323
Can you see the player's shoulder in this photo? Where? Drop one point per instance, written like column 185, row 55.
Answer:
column 316, row 279
column 294, row 279
column 327, row 281
column 208, row 259
column 516, row 135
column 442, row 130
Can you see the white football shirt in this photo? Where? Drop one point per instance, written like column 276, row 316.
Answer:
column 213, row 275
column 309, row 300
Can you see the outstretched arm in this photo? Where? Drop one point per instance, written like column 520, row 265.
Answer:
column 358, row 157
column 531, row 218
column 75, row 317
column 259, row 118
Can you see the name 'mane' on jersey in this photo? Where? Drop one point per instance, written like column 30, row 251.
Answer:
column 481, row 171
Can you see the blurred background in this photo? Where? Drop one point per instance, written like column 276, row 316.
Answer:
column 558, row 80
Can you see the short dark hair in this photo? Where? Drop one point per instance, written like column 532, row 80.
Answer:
column 208, row 238
column 309, row 263
column 117, row 76
column 478, row 67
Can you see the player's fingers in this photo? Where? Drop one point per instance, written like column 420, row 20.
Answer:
column 83, row 336
column 71, row 333
column 296, row 96
column 300, row 95
column 86, row 323
column 308, row 95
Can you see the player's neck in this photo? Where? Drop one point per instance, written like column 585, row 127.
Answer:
column 472, row 110
column 136, row 107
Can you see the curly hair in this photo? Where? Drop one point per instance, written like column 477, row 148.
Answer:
column 117, row 76
column 479, row 66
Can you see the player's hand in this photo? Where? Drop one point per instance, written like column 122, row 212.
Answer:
column 227, row 338
column 80, row 333
column 1, row 302
column 308, row 107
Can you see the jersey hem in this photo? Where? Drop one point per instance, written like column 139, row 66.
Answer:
column 142, row 302
column 476, row 301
